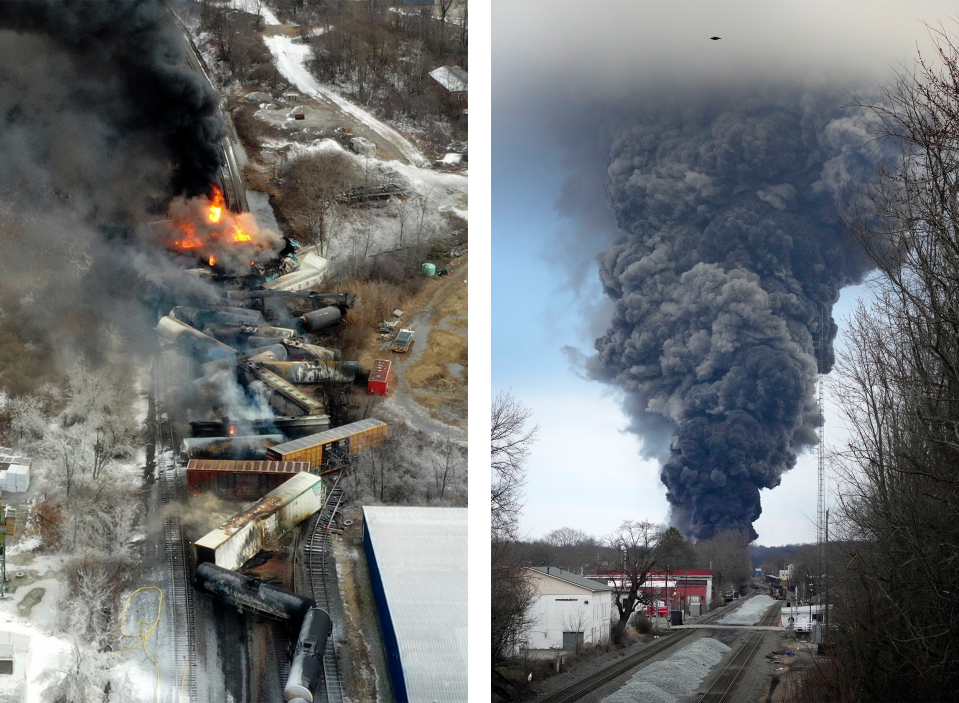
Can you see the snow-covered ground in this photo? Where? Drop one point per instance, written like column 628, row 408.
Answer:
column 674, row 678
column 749, row 612
column 435, row 194
column 291, row 56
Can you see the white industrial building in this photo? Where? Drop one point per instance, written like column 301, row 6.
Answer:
column 569, row 610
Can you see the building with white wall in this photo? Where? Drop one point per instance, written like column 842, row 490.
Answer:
column 569, row 610
column 14, row 471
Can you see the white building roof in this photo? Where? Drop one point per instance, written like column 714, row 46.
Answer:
column 453, row 78
column 421, row 557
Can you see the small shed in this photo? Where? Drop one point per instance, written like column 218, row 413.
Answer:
column 452, row 82
column 380, row 376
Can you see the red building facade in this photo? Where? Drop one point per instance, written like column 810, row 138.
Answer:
column 672, row 590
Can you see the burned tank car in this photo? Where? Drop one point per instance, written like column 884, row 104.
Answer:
column 307, row 666
column 251, row 594
column 251, row 447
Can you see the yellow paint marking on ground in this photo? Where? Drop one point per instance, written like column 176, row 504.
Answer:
column 145, row 630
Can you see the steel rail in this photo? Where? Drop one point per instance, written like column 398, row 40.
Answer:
column 580, row 688
column 171, row 490
column 317, row 555
column 731, row 675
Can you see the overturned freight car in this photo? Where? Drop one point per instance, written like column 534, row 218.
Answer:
column 314, row 372
column 282, row 395
column 242, row 480
column 238, row 539
column 192, row 340
column 249, row 593
column 327, row 449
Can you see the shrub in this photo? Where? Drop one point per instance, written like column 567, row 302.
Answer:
column 642, row 624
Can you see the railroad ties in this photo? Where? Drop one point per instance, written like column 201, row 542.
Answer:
column 588, row 684
column 183, row 652
column 321, row 580
column 724, row 685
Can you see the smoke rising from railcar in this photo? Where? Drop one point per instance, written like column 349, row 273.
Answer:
column 730, row 259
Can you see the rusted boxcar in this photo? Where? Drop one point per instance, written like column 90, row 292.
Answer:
column 242, row 480
column 326, row 448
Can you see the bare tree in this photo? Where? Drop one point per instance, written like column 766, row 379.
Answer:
column 444, row 6
column 727, row 554
column 510, row 444
column 636, row 542
column 66, row 452
column 313, row 185
column 445, row 464
column 512, row 593
column 898, row 385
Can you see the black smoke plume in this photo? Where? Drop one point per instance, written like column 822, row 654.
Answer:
column 731, row 257
column 136, row 46
column 102, row 122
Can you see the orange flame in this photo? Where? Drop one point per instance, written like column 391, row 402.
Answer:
column 216, row 207
column 232, row 431
column 240, row 236
column 212, row 260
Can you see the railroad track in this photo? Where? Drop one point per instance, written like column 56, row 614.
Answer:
column 724, row 685
column 589, row 684
column 182, row 654
column 322, row 579
column 233, row 189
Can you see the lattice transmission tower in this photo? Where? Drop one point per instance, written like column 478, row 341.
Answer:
column 821, row 497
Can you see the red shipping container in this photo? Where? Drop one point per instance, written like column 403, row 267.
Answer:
column 380, row 377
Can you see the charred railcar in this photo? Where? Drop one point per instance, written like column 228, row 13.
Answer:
column 251, row 594
column 247, row 447
column 285, row 398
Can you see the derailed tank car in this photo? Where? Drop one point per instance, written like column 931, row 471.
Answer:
column 193, row 341
column 307, row 666
column 251, row 594
column 229, row 447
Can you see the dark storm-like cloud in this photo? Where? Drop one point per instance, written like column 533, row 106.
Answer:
column 731, row 256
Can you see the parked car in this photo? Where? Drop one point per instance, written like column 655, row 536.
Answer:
column 403, row 341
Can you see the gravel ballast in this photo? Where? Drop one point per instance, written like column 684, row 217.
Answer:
column 750, row 612
column 671, row 679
